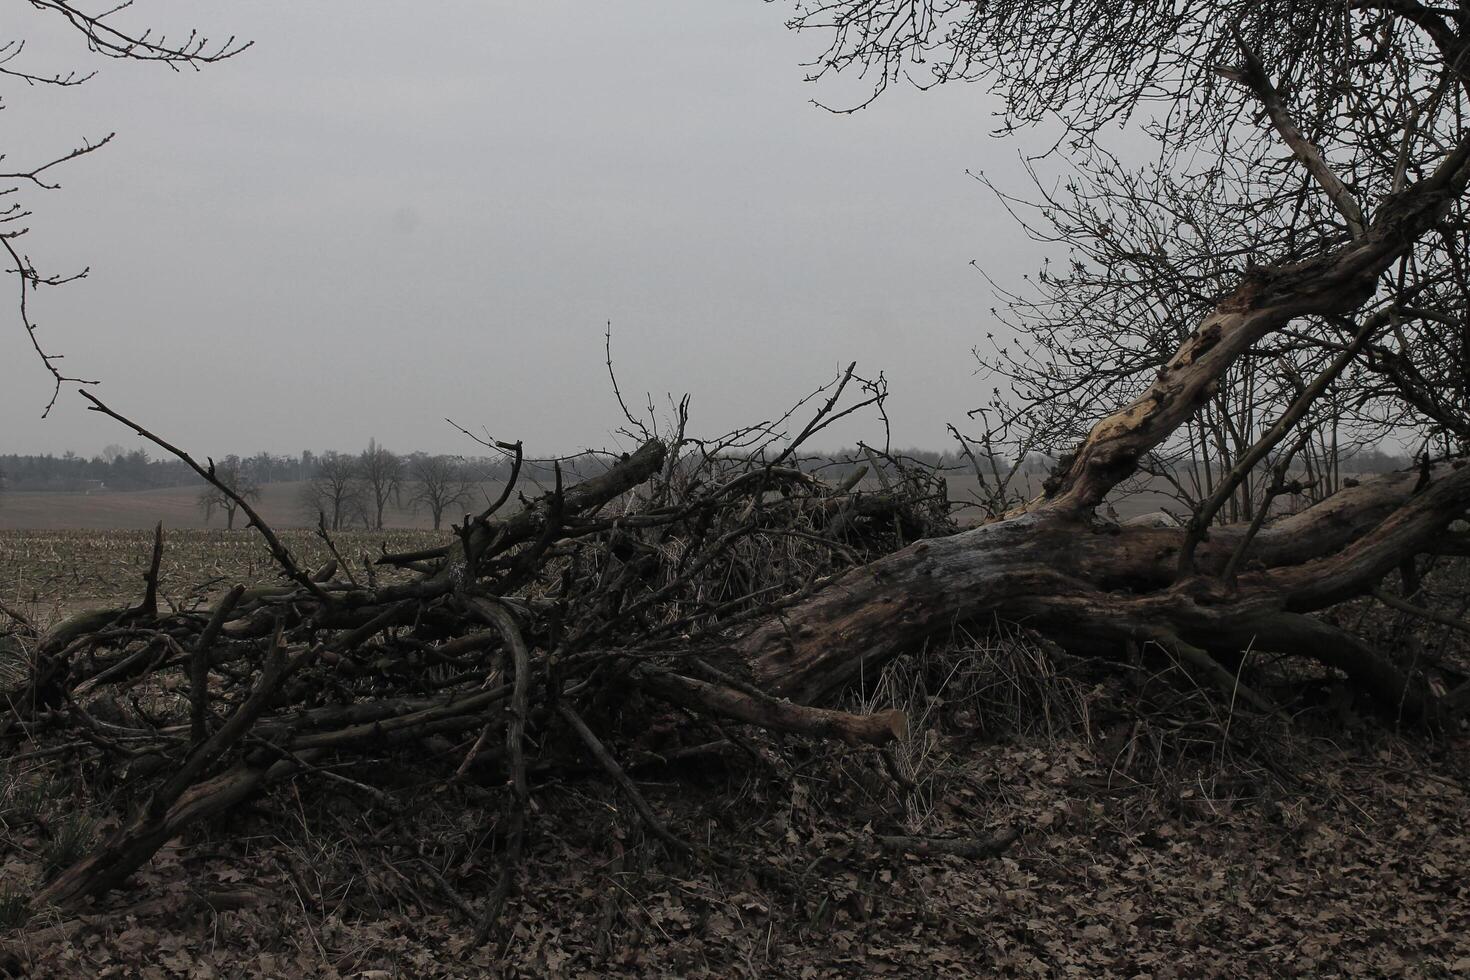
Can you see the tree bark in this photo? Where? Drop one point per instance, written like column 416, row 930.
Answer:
column 1091, row 584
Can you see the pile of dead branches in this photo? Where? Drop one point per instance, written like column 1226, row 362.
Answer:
column 542, row 618
column 721, row 584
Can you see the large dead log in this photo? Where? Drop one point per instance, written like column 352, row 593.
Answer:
column 1092, row 585
column 1088, row 584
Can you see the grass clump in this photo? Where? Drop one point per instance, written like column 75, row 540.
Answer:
column 72, row 836
column 15, row 907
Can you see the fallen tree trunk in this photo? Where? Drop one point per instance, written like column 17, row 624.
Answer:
column 1092, row 585
column 1054, row 566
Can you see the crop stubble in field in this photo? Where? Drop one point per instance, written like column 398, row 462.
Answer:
column 47, row 574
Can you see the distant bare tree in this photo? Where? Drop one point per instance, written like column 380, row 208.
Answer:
column 439, row 482
column 234, row 476
column 380, row 473
column 333, row 489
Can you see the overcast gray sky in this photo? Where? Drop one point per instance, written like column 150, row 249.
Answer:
column 388, row 213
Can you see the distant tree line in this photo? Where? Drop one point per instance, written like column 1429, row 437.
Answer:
column 119, row 470
column 116, row 468
column 844, row 462
column 355, row 489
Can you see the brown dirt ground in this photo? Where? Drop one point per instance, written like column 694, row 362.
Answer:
column 1176, row 842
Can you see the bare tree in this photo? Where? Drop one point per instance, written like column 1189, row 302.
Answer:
column 1304, row 287
column 1150, row 253
column 333, row 490
column 235, row 483
column 439, row 483
column 381, row 475
column 109, row 33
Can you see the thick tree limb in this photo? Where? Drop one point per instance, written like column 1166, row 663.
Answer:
column 1090, row 585
column 610, row 766
column 1253, row 75
column 515, row 741
column 589, row 495
column 179, row 802
column 278, row 550
column 1336, row 282
column 875, row 729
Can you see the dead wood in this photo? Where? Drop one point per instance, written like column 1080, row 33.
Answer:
column 593, row 593
column 732, row 561
column 728, row 581
column 768, row 712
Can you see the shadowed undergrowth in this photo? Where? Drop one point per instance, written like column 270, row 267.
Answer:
column 1156, row 834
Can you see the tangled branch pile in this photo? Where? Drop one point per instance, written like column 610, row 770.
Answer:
column 530, row 629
